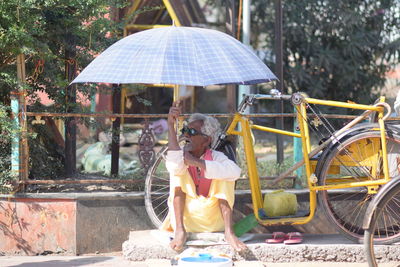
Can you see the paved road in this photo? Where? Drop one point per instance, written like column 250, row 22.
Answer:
column 314, row 247
column 118, row 261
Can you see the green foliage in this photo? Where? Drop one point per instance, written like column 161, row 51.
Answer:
column 8, row 129
column 53, row 31
column 49, row 32
column 339, row 50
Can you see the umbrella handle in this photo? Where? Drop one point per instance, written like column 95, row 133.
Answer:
column 176, row 92
column 179, row 121
column 178, row 125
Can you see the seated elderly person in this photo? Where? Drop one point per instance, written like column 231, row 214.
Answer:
column 201, row 182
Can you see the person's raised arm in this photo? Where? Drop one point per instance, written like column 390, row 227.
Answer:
column 173, row 115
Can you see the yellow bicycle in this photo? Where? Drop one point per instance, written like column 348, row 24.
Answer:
column 345, row 170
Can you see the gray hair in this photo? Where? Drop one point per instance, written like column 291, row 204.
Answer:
column 211, row 126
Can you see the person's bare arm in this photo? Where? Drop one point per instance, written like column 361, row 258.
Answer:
column 173, row 115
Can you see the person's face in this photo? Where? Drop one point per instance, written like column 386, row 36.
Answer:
column 197, row 142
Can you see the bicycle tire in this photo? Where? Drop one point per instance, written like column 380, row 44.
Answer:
column 353, row 158
column 156, row 191
column 387, row 209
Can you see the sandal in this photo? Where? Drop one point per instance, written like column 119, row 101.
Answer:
column 277, row 237
column 293, row 238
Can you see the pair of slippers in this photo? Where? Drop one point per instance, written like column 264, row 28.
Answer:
column 287, row 239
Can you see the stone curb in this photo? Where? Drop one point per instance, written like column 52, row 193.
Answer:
column 139, row 249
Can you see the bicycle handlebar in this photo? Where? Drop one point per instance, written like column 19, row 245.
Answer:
column 249, row 99
column 272, row 97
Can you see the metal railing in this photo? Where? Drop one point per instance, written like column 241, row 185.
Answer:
column 39, row 115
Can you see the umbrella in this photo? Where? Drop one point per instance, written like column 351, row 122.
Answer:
column 177, row 55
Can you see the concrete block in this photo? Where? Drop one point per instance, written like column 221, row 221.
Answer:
column 34, row 227
column 69, row 223
column 103, row 225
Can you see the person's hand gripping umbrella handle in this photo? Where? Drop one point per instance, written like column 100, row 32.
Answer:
column 173, row 124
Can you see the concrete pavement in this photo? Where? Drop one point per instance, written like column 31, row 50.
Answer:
column 118, row 261
column 143, row 249
column 143, row 245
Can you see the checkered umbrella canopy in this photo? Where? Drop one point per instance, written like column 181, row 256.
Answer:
column 177, row 55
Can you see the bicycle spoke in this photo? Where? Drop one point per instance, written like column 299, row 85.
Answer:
column 385, row 225
column 346, row 198
column 162, row 189
column 365, row 156
column 349, row 169
column 164, row 213
column 387, row 220
column 161, row 204
column 162, row 196
column 394, row 211
column 354, row 217
column 367, row 173
column 361, row 207
column 160, row 184
column 161, row 178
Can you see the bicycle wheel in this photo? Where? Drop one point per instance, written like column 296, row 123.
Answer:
column 386, row 212
column 357, row 158
column 156, row 190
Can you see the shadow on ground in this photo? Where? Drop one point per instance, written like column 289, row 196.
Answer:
column 64, row 263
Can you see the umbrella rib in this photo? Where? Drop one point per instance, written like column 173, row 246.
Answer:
column 165, row 49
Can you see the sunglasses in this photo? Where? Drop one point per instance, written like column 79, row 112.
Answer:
column 191, row 131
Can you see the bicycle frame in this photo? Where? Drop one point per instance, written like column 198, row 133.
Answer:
column 300, row 103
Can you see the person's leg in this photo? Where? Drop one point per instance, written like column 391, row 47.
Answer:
column 229, row 234
column 180, row 232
